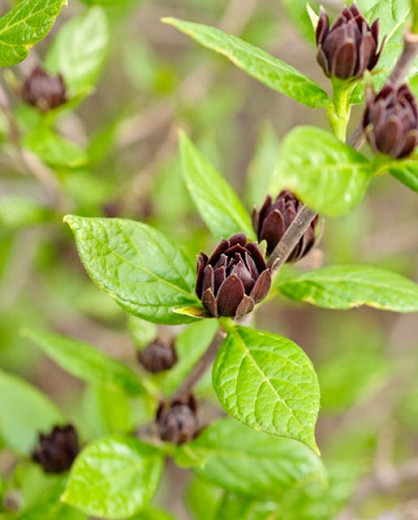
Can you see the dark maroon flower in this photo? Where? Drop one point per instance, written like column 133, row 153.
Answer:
column 391, row 121
column 43, row 90
column 57, row 450
column 177, row 421
column 272, row 220
column 349, row 47
column 158, row 356
column 233, row 279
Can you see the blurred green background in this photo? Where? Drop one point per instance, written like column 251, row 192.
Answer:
column 154, row 82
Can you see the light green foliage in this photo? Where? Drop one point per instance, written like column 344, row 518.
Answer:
column 298, row 13
column 18, row 211
column 347, row 286
column 114, row 477
column 271, row 71
column 152, row 514
column 218, row 204
column 405, row 170
column 240, row 459
column 142, row 332
column 326, row 174
column 53, row 148
column 246, row 508
column 203, row 499
column 268, row 383
column 25, row 25
column 144, row 272
column 24, row 413
column 86, row 362
column 79, row 51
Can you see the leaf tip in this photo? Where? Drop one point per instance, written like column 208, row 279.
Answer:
column 169, row 20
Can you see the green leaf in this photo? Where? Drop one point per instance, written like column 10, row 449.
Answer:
column 24, row 413
column 268, row 383
column 134, row 263
column 239, row 459
column 347, row 286
column 79, row 51
column 152, row 514
column 25, row 25
column 18, row 211
column 54, row 149
column 271, row 71
column 114, row 477
column 142, row 332
column 203, row 499
column 298, row 13
column 246, row 507
column 86, row 362
column 218, row 204
column 405, row 170
column 325, row 173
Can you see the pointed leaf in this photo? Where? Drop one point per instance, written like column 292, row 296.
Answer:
column 347, row 286
column 25, row 25
column 271, row 71
column 86, row 362
column 114, row 477
column 326, row 174
column 268, row 383
column 218, row 205
column 134, row 263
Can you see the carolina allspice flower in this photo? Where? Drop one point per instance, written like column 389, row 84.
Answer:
column 391, row 121
column 177, row 421
column 158, row 356
column 57, row 450
column 233, row 279
column 43, row 90
column 272, row 220
column 349, row 47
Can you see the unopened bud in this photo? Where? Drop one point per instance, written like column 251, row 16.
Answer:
column 177, row 421
column 43, row 90
column 57, row 450
column 158, row 356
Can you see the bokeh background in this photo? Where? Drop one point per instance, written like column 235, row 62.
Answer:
column 154, row 82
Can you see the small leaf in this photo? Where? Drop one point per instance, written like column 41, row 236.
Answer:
column 24, row 413
column 268, row 383
column 79, row 51
column 271, row 71
column 405, row 170
column 347, row 286
column 134, row 263
column 194, row 312
column 262, row 464
column 114, row 477
column 86, row 362
column 326, row 174
column 54, row 149
column 218, row 204
column 25, row 25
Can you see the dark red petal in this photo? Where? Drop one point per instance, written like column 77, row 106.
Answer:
column 209, row 302
column 255, row 218
column 229, row 296
column 221, row 248
column 256, row 255
column 208, row 279
column 262, row 286
column 239, row 238
column 219, row 277
column 410, row 142
column 389, row 136
column 202, row 260
column 246, row 306
column 375, row 58
column 241, row 270
column 251, row 265
column 323, row 61
column 272, row 230
column 322, row 27
column 344, row 61
column 366, row 50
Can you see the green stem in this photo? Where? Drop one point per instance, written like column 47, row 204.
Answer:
column 339, row 111
column 414, row 9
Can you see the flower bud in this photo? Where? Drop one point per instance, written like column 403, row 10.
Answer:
column 43, row 90
column 158, row 356
column 177, row 421
column 233, row 279
column 57, row 450
column 349, row 47
column 271, row 222
column 391, row 121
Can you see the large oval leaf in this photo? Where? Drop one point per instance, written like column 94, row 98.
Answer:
column 24, row 413
column 142, row 270
column 271, row 71
column 24, row 26
column 239, row 459
column 327, row 175
column 268, row 383
column 86, row 362
column 114, row 477
column 347, row 286
column 218, row 204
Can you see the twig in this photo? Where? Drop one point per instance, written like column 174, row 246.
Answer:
column 290, row 239
column 200, row 367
